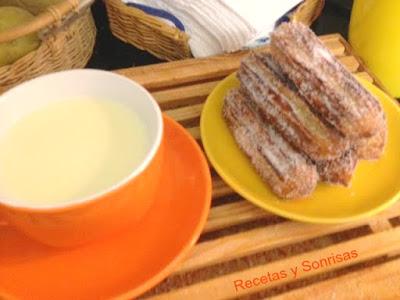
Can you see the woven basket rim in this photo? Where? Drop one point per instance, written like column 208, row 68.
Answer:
column 129, row 10
column 133, row 11
column 132, row 25
column 52, row 15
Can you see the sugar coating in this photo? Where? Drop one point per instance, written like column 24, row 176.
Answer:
column 345, row 102
column 286, row 171
column 289, row 113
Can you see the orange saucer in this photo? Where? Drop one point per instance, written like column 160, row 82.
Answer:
column 132, row 262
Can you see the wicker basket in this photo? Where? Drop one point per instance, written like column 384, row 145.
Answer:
column 148, row 33
column 68, row 33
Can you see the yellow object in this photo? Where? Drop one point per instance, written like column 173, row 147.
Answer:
column 11, row 51
column 375, row 36
column 38, row 6
column 70, row 149
column 375, row 185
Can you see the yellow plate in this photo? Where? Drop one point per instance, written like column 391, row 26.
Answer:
column 375, row 185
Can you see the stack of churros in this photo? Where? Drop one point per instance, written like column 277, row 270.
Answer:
column 301, row 117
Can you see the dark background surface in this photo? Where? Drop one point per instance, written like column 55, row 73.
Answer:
column 110, row 53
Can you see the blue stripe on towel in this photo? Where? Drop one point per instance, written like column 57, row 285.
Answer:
column 160, row 13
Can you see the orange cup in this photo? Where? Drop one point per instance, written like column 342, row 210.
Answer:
column 106, row 212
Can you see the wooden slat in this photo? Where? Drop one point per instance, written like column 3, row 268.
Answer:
column 220, row 188
column 328, row 37
column 185, row 114
column 350, row 62
column 380, row 224
column 185, row 71
column 366, row 76
column 194, row 132
column 233, row 214
column 195, row 70
column 184, row 96
column 261, row 239
column 253, row 241
column 378, row 282
column 336, row 47
column 223, row 287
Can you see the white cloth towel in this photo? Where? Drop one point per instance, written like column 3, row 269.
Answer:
column 217, row 26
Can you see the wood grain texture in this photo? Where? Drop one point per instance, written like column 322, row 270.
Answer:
column 380, row 282
column 223, row 287
column 185, row 114
column 380, row 224
column 266, row 238
column 232, row 214
column 366, row 76
column 184, row 96
column 350, row 62
column 336, row 47
column 220, row 188
column 184, row 72
column 195, row 70
column 194, row 132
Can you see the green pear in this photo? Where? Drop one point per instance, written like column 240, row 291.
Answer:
column 38, row 6
column 10, row 17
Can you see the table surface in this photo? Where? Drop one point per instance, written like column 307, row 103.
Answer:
column 243, row 242
column 110, row 53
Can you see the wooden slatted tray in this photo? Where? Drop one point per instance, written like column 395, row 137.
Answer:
column 243, row 242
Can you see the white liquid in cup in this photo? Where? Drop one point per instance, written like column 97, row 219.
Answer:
column 69, row 150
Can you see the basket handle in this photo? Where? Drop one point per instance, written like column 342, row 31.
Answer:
column 50, row 16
